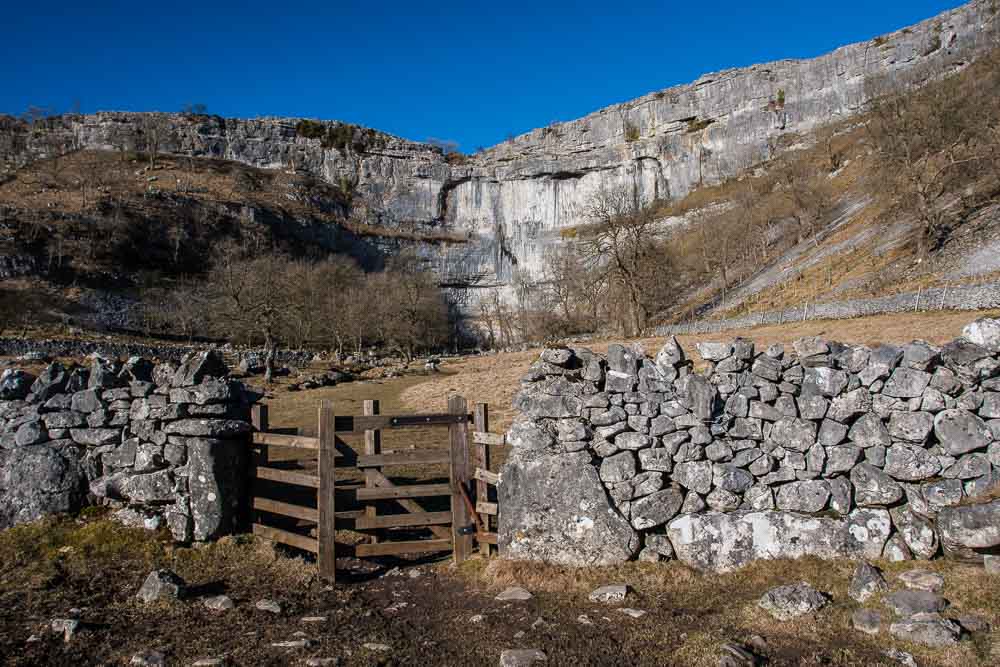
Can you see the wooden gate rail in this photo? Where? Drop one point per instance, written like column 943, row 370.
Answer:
column 454, row 530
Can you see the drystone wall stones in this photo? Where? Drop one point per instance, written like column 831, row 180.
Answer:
column 767, row 454
column 160, row 442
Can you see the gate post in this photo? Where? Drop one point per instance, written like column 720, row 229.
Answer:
column 459, row 439
column 373, row 445
column 326, row 496
column 481, row 460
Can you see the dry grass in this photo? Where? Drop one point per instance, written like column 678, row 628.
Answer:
column 712, row 607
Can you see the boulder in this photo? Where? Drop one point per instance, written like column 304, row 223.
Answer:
column 554, row 508
column 39, row 481
column 928, row 629
column 808, row 496
column 51, row 382
column 907, row 603
column 787, row 602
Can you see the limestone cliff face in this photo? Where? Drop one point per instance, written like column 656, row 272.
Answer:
column 513, row 199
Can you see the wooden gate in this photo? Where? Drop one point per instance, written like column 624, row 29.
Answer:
column 303, row 506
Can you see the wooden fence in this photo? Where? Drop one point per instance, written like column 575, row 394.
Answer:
column 309, row 499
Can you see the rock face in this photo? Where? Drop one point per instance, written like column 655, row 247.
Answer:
column 130, row 435
column 764, row 456
column 513, row 200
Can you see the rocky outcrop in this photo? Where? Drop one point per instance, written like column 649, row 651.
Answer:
column 513, row 201
column 163, row 445
column 826, row 450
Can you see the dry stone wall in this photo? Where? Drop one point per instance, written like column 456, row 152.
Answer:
column 823, row 449
column 161, row 444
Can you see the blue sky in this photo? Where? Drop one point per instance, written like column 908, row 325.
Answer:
column 466, row 71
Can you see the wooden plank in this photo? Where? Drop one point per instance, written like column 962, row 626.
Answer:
column 409, row 491
column 396, row 548
column 426, row 457
column 286, row 509
column 482, row 474
column 486, row 477
column 286, row 537
column 404, row 520
column 257, row 459
column 286, row 476
column 413, row 506
column 353, row 424
column 484, row 438
column 458, row 437
column 349, row 514
column 373, row 447
column 327, row 496
column 486, row 538
column 290, row 441
column 484, row 507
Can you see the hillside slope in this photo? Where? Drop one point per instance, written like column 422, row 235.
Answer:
column 512, row 201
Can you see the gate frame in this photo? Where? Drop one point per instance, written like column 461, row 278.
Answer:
column 468, row 460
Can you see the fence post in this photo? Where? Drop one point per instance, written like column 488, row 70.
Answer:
column 257, row 458
column 459, row 437
column 373, row 446
column 481, row 460
column 326, row 496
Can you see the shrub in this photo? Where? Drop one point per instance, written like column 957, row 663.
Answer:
column 631, row 132
column 696, row 125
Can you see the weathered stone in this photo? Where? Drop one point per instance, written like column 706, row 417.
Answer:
column 787, row 602
column 794, row 434
column 847, row 406
column 910, row 463
column 656, row 508
column 866, row 582
column 922, row 580
column 841, row 458
column 824, row 381
column 917, row 531
column 96, row 436
column 618, row 467
column 157, row 487
column 812, row 406
column 39, row 481
column 966, row 528
column 969, row 466
column 30, row 433
column 658, row 459
column 984, row 332
column 161, row 585
column 670, row 355
column 88, row 400
column 521, row 657
column 869, row 431
column 927, row 629
column 632, row 441
column 831, row 433
column 911, row 426
column 867, row 621
column 906, row 383
column 960, row 431
column 866, row 532
column 514, row 594
column 907, row 603
column 555, row 509
column 557, row 356
column 611, row 594
column 896, row 551
column 694, row 475
column 197, row 366
column 697, row 395
column 810, row 496
column 208, row 428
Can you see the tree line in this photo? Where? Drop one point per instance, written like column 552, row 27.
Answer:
column 274, row 300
